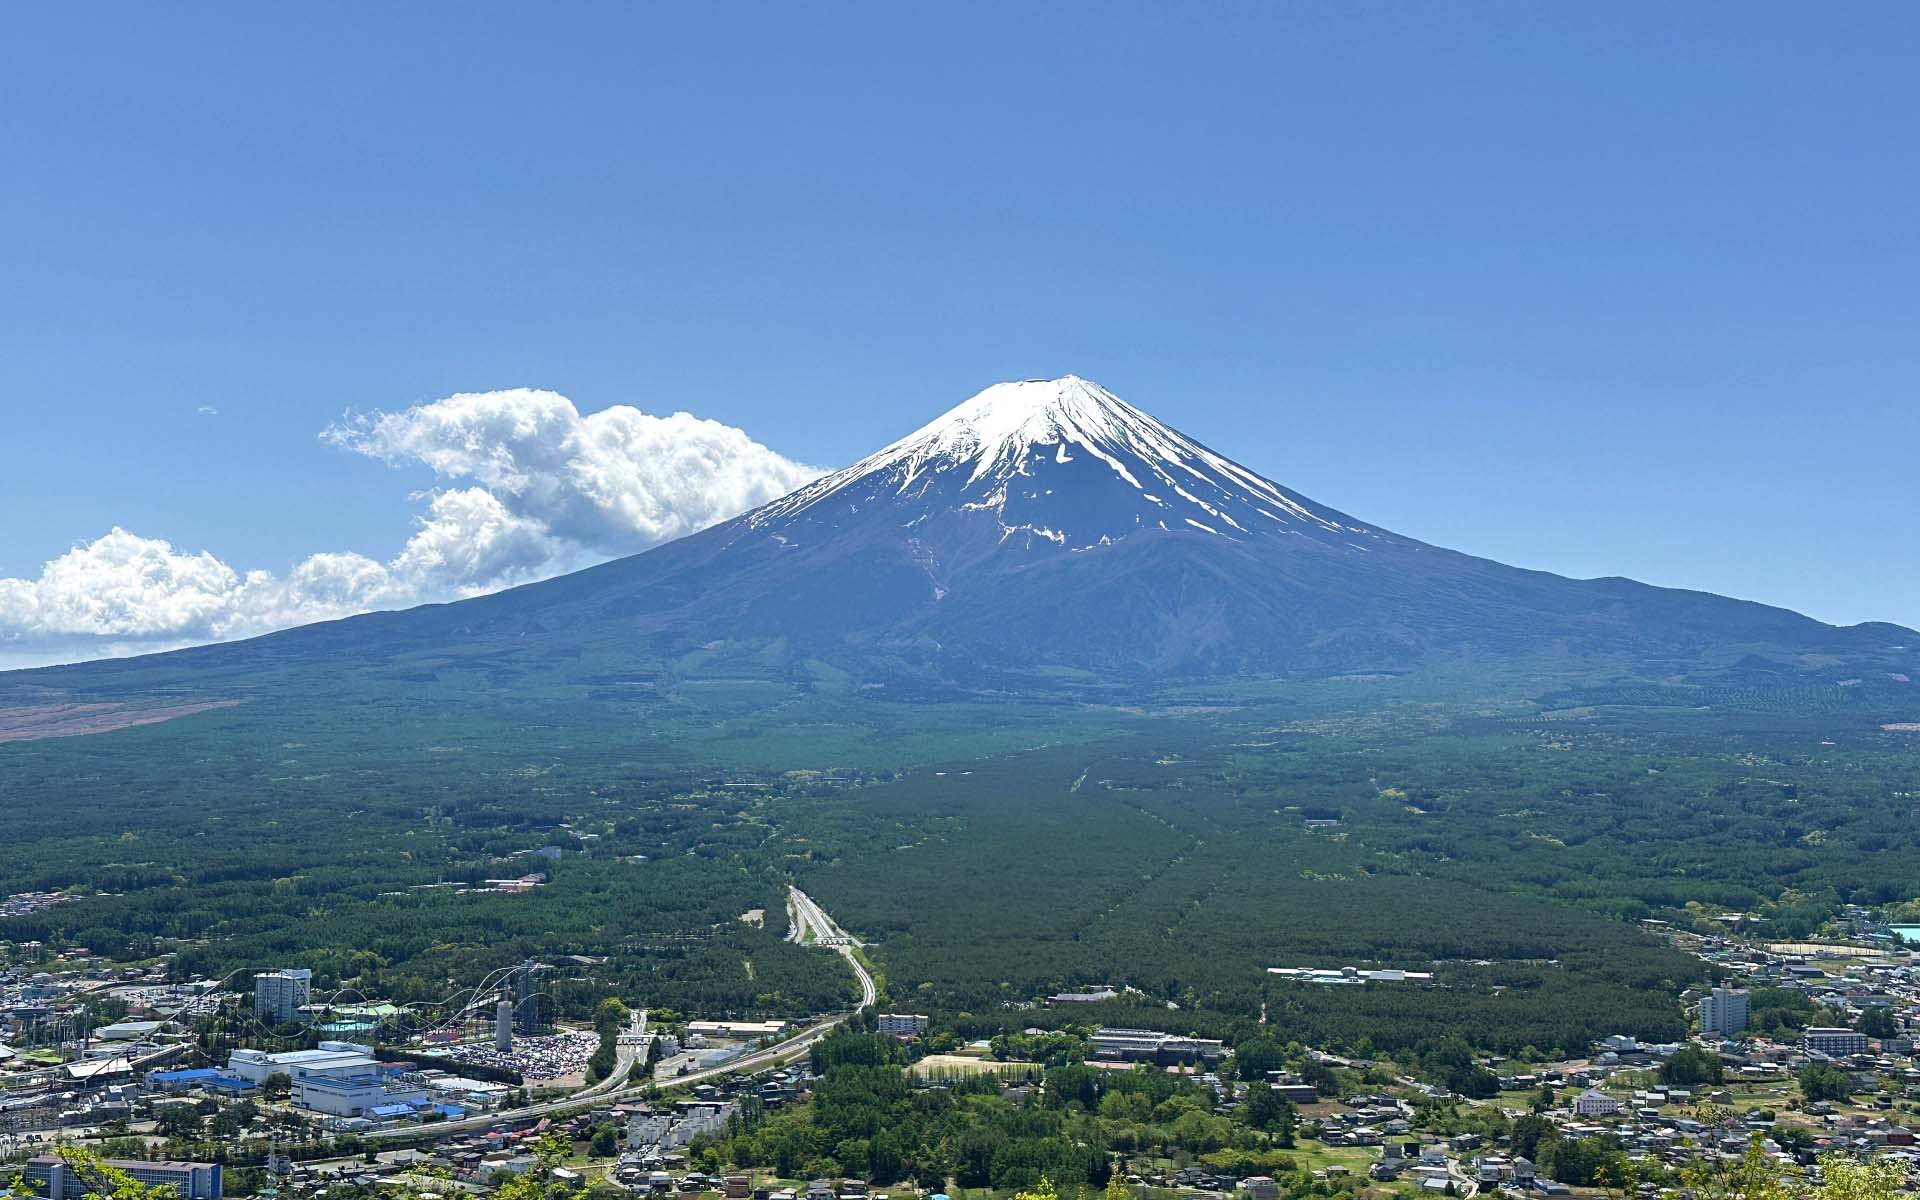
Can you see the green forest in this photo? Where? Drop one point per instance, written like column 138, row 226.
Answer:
column 1175, row 851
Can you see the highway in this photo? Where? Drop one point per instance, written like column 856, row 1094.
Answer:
column 627, row 1050
column 608, row 1091
column 826, row 933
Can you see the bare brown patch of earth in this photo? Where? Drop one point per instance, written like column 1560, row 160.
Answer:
column 32, row 722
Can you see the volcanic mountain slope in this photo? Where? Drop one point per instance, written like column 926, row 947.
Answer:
column 1049, row 524
column 1062, row 462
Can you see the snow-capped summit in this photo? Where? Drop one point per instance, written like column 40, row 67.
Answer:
column 1060, row 463
column 995, row 428
column 1046, row 531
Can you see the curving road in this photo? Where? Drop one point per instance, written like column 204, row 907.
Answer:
column 827, row 933
column 606, row 1091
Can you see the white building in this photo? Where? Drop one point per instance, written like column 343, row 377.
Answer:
column 1149, row 1045
column 745, row 1030
column 647, row 1130
column 693, row 1119
column 341, row 1079
column 1725, row 1011
column 353, row 1095
column 332, row 1058
column 1595, row 1103
column 278, row 996
column 903, row 1024
column 1350, row 975
column 458, row 1089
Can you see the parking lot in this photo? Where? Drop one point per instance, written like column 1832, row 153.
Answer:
column 537, row 1059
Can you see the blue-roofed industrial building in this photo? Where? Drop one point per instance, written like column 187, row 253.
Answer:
column 355, row 1094
column 341, row 1079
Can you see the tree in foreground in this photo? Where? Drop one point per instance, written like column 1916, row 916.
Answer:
column 1758, row 1176
column 98, row 1180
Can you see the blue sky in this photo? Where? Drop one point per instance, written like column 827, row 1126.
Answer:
column 1602, row 290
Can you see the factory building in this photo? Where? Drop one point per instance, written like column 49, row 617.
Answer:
column 356, row 1095
column 332, row 1058
column 341, row 1079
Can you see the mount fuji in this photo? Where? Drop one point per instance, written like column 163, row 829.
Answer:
column 1047, row 525
column 1059, row 461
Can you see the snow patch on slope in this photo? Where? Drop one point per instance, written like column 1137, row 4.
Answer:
column 1012, row 432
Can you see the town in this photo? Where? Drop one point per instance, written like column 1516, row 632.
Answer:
column 1799, row 1052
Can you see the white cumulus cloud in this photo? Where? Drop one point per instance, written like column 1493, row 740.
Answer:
column 544, row 490
column 122, row 585
column 612, row 481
